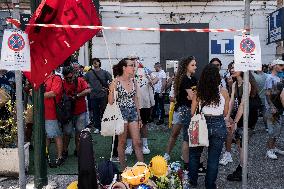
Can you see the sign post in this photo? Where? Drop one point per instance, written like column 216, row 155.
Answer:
column 15, row 55
column 247, row 52
column 246, row 105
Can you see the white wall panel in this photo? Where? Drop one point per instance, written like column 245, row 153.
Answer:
column 218, row 14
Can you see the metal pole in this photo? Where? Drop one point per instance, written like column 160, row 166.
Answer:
column 246, row 105
column 19, row 106
column 39, row 140
column 20, row 123
column 39, row 130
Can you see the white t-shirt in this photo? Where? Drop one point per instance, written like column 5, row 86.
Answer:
column 172, row 91
column 145, row 91
column 160, row 75
column 270, row 82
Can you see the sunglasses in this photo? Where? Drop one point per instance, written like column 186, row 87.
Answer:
column 130, row 65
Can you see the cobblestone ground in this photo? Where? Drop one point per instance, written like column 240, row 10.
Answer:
column 263, row 173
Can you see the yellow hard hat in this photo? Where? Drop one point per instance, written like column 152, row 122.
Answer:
column 87, row 68
column 73, row 185
column 136, row 175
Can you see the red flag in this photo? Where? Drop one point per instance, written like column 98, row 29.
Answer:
column 50, row 47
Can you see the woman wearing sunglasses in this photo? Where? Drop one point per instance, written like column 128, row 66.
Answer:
column 128, row 103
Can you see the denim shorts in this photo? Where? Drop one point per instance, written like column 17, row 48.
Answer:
column 79, row 122
column 182, row 117
column 52, row 129
column 274, row 127
column 129, row 114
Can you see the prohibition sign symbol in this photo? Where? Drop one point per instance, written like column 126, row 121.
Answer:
column 247, row 45
column 16, row 42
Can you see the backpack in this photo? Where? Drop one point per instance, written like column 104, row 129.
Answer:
column 275, row 97
column 106, row 171
column 64, row 108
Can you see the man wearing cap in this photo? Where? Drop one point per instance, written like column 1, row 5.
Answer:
column 159, row 88
column 274, row 108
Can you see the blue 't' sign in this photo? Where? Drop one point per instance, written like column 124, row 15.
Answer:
column 222, row 46
column 276, row 26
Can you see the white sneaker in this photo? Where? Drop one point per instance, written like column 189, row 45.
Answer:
column 271, row 154
column 167, row 157
column 227, row 158
column 96, row 131
column 115, row 159
column 278, row 151
column 146, row 150
column 128, row 150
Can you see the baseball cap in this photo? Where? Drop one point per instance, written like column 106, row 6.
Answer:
column 277, row 62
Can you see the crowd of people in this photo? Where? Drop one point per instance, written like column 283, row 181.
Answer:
column 141, row 97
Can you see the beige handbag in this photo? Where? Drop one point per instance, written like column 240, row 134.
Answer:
column 197, row 131
column 4, row 97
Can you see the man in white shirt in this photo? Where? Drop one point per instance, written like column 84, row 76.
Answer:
column 273, row 110
column 159, row 89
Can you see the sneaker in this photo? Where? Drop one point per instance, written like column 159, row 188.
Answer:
column 201, row 170
column 227, row 158
column 146, row 150
column 278, row 151
column 50, row 163
column 128, row 150
column 271, row 154
column 96, row 131
column 115, row 159
column 59, row 162
column 65, row 154
column 236, row 175
column 167, row 157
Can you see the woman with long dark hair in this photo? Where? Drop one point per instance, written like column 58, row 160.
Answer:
column 184, row 88
column 236, row 112
column 213, row 100
column 127, row 101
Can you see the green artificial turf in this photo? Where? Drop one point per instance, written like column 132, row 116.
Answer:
column 157, row 140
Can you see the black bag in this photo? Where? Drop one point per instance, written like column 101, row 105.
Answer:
column 87, row 178
column 275, row 97
column 103, row 84
column 255, row 103
column 64, row 109
column 106, row 172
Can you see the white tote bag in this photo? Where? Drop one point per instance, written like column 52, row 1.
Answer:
column 112, row 121
column 197, row 131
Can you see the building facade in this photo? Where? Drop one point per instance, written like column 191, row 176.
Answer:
column 167, row 48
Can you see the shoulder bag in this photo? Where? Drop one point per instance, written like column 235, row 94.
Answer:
column 112, row 121
column 197, row 131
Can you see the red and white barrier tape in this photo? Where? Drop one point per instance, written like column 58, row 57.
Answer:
column 137, row 29
column 13, row 21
